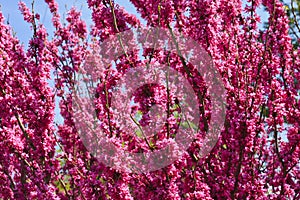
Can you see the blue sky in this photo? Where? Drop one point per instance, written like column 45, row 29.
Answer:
column 11, row 12
column 22, row 29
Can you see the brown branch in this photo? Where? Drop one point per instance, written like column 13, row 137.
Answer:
column 294, row 15
column 23, row 129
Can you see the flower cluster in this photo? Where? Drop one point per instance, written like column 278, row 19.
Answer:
column 256, row 155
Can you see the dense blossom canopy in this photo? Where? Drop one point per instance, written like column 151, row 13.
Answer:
column 258, row 150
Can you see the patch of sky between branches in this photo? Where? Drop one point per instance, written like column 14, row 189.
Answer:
column 129, row 7
column 261, row 11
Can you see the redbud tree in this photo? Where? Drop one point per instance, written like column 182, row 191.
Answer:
column 256, row 155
